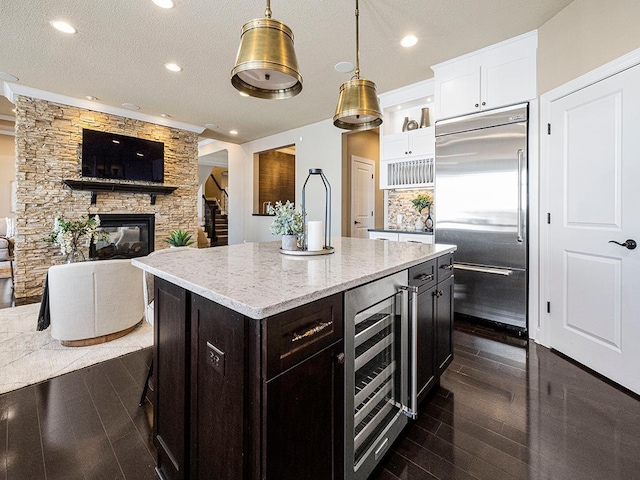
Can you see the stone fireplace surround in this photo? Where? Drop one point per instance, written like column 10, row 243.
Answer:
column 48, row 138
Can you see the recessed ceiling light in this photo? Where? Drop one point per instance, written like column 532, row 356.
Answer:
column 7, row 77
column 91, row 97
column 409, row 41
column 173, row 67
column 62, row 26
column 164, row 3
column 130, row 106
column 429, row 99
column 344, row 67
column 211, row 126
column 165, row 115
column 233, row 132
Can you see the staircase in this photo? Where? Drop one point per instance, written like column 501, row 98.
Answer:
column 216, row 224
column 222, row 230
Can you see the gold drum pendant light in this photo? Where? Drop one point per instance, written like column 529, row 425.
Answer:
column 266, row 65
column 358, row 107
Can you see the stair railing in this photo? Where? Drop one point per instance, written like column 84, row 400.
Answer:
column 224, row 201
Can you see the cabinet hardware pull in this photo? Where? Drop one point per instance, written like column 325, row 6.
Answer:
column 312, row 331
column 424, row 277
column 484, row 103
column 477, row 105
column 447, row 267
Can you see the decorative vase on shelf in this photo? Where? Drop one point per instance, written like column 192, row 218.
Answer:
column 424, row 117
column 289, row 242
column 419, row 224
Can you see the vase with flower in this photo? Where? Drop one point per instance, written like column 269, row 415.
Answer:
column 72, row 236
column 287, row 222
column 420, row 202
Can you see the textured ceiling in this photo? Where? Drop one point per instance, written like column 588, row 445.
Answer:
column 119, row 52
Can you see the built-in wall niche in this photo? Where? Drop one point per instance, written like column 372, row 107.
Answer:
column 274, row 173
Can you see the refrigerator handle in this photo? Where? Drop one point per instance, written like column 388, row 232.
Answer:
column 519, row 215
column 410, row 299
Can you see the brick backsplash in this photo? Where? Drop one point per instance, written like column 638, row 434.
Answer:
column 400, row 203
column 48, row 138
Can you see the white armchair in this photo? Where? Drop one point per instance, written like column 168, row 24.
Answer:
column 94, row 302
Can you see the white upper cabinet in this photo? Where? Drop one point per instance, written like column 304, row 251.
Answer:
column 407, row 154
column 412, row 143
column 502, row 74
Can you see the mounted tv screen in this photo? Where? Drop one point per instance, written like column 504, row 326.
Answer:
column 118, row 157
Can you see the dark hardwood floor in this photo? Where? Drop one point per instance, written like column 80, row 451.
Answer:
column 506, row 409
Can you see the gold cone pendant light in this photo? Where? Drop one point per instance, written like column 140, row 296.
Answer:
column 358, row 107
column 266, row 65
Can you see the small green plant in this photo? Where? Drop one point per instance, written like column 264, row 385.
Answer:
column 286, row 221
column 179, row 238
column 422, row 201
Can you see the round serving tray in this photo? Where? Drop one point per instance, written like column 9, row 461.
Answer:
column 304, row 253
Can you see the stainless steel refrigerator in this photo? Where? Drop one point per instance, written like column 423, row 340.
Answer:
column 481, row 206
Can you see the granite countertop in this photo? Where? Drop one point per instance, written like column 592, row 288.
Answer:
column 397, row 230
column 256, row 280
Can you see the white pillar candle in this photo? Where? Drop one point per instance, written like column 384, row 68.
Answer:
column 315, row 236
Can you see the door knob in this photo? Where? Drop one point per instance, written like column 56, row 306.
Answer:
column 356, row 222
column 630, row 244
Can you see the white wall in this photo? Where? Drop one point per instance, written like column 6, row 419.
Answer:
column 236, row 162
column 7, row 173
column 584, row 36
column 317, row 146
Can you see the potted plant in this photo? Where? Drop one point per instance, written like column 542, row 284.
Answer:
column 420, row 202
column 287, row 222
column 179, row 238
column 68, row 235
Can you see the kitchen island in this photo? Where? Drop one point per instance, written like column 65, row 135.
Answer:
column 249, row 353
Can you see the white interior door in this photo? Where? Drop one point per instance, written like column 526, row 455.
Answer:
column 594, row 179
column 363, row 189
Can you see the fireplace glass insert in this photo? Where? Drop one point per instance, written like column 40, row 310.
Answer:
column 130, row 235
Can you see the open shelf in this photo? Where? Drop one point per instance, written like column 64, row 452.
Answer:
column 103, row 187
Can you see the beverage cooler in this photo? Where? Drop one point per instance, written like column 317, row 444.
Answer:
column 380, row 393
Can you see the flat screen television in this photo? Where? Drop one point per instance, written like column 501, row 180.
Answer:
column 119, row 157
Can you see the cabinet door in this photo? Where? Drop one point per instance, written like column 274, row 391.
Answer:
column 444, row 325
column 395, row 146
column 426, row 347
column 304, row 419
column 458, row 90
column 507, row 81
column 171, row 373
column 422, row 141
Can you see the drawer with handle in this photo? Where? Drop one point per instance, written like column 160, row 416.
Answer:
column 445, row 267
column 423, row 275
column 297, row 334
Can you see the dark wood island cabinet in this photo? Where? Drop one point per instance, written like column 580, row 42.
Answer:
column 244, row 398
column 256, row 390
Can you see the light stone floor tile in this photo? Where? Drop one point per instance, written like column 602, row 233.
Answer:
column 28, row 356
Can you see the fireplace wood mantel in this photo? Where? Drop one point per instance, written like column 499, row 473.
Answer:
column 102, row 187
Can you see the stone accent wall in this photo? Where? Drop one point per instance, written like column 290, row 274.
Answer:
column 48, row 148
column 400, row 203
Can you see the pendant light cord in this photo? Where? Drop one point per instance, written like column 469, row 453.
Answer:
column 267, row 12
column 357, row 42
